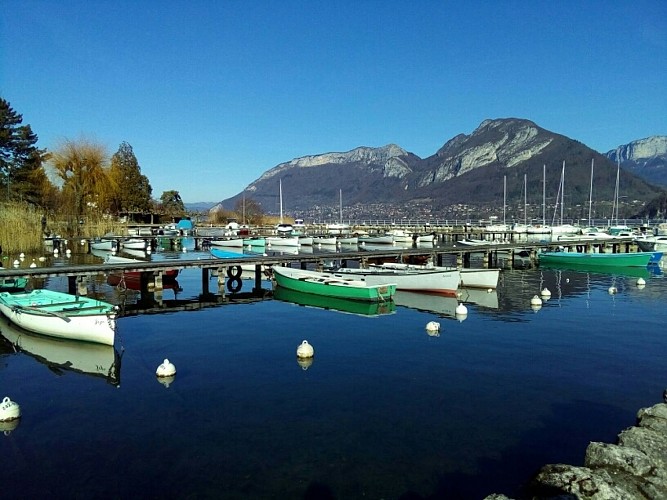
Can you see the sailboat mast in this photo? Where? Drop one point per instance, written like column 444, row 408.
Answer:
column 618, row 173
column 590, row 196
column 525, row 201
column 340, row 206
column 562, row 192
column 544, row 195
column 504, row 197
column 280, row 185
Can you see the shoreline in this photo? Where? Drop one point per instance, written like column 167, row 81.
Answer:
column 634, row 467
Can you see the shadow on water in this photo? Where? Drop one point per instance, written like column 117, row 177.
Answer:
column 577, row 423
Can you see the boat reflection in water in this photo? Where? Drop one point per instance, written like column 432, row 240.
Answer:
column 358, row 307
column 61, row 355
column 633, row 272
column 446, row 306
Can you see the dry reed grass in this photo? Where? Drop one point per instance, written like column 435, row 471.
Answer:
column 21, row 227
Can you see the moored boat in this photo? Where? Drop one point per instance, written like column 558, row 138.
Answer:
column 62, row 315
column 470, row 277
column 332, row 286
column 444, row 281
column 63, row 355
column 632, row 259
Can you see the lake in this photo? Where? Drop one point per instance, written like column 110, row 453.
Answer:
column 383, row 410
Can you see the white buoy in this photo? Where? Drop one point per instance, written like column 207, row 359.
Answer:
column 461, row 310
column 83, row 243
column 305, row 350
column 166, row 369
column 56, row 251
column 185, row 250
column 641, row 281
column 9, row 410
column 545, row 292
column 612, row 290
column 21, row 256
column 33, row 263
column 536, row 301
column 17, row 263
column 42, row 259
column 432, row 326
column 68, row 252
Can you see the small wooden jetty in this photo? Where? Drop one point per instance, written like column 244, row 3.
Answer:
column 453, row 254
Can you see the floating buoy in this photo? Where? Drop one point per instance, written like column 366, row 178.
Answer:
column 68, row 252
column 612, row 290
column 166, row 369
column 33, row 263
column 536, row 301
column 56, row 251
column 83, row 243
column 461, row 310
column 185, row 250
column 545, row 292
column 490, row 290
column 432, row 326
column 16, row 263
column 567, row 280
column 42, row 259
column 9, row 410
column 21, row 256
column 641, row 282
column 305, row 350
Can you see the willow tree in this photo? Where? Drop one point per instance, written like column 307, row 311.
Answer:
column 82, row 167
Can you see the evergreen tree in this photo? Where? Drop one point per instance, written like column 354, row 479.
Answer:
column 172, row 204
column 134, row 189
column 21, row 172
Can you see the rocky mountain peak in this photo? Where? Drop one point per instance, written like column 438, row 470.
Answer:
column 641, row 149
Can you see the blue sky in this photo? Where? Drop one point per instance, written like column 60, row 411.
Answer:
column 211, row 94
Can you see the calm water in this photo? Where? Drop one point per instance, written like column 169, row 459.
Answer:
column 384, row 409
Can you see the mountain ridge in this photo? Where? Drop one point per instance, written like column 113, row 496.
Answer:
column 467, row 169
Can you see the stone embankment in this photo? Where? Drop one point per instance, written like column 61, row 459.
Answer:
column 634, row 468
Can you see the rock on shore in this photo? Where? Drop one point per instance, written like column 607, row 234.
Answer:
column 636, row 467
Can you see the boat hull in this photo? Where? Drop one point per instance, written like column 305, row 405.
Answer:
column 444, row 282
column 65, row 355
column 61, row 315
column 636, row 259
column 321, row 284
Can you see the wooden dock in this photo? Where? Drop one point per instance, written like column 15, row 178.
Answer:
column 454, row 254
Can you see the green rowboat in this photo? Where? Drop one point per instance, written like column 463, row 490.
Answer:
column 331, row 286
column 635, row 259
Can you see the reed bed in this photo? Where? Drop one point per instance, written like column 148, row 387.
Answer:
column 21, row 227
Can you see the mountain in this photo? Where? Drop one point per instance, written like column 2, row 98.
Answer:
column 646, row 158
column 466, row 170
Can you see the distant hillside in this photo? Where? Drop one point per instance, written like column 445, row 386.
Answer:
column 201, row 206
column 646, row 158
column 468, row 169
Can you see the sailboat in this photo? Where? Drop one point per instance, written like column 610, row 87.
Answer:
column 562, row 228
column 284, row 230
column 543, row 228
column 618, row 229
column 500, row 228
column 523, row 228
column 339, row 228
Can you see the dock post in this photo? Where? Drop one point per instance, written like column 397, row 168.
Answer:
column 459, row 259
column 71, row 285
column 204, row 281
column 258, row 278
